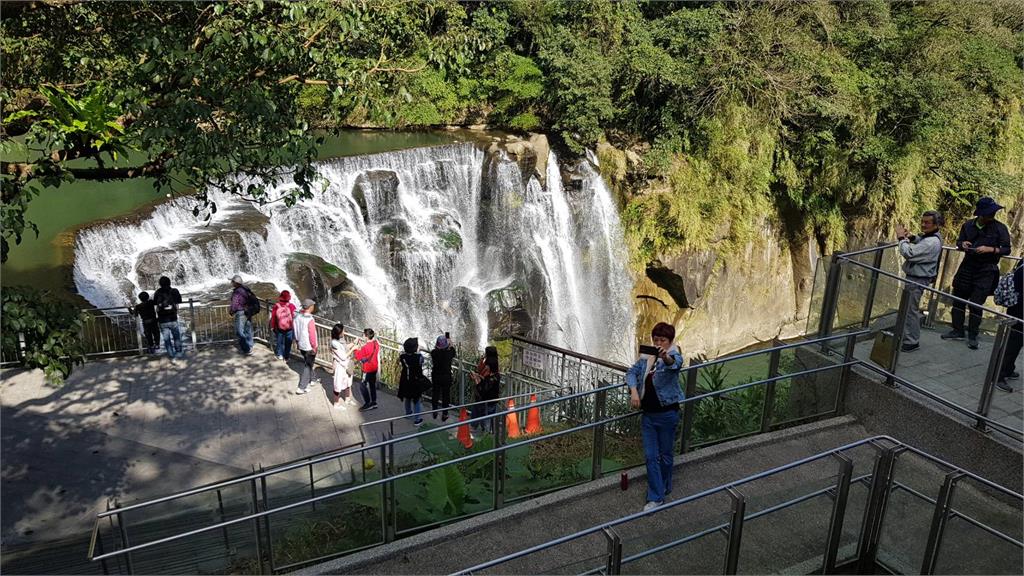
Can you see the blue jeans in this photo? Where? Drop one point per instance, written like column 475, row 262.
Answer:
column 410, row 404
column 659, row 435
column 243, row 327
column 171, row 334
column 283, row 347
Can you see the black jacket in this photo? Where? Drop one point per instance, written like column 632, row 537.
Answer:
column 441, row 365
column 994, row 234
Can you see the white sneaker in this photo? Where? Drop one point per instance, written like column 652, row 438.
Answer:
column 351, row 401
column 652, row 505
column 340, row 407
column 278, row 357
column 301, row 391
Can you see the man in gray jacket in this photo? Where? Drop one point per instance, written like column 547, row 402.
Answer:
column 921, row 256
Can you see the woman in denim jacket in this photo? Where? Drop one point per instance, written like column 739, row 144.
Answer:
column 654, row 389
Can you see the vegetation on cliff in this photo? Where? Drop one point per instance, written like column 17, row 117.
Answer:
column 806, row 113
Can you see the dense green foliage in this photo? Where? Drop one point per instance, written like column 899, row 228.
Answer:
column 818, row 111
column 42, row 331
column 808, row 114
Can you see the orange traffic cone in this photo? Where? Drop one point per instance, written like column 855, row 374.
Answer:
column 512, row 420
column 533, row 417
column 463, row 433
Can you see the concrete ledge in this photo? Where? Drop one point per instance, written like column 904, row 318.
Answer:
column 932, row 427
column 362, row 561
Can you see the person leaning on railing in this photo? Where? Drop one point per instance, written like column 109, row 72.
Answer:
column 984, row 240
column 921, row 255
column 654, row 388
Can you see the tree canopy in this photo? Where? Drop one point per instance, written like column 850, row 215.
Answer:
column 813, row 111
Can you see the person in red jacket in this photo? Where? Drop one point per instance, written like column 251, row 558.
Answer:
column 282, row 316
column 367, row 356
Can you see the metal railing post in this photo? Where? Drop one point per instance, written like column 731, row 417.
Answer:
column 942, row 509
column 220, row 508
column 256, row 524
column 124, row 539
column 897, row 336
column 392, row 511
column 869, row 305
column 600, row 409
column 266, row 522
column 835, row 526
column 732, row 555
column 830, row 300
column 312, row 489
column 498, row 426
column 613, row 563
column 387, row 489
column 995, row 363
column 844, row 374
column 768, row 406
column 874, row 512
column 689, row 408
column 192, row 316
column 933, row 298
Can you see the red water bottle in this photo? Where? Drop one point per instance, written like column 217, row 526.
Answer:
column 624, row 481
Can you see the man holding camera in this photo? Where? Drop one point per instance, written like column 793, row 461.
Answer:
column 984, row 240
column 921, row 255
column 654, row 388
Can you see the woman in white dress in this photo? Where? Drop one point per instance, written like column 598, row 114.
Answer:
column 342, row 354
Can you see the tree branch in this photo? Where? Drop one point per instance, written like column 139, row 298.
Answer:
column 156, row 166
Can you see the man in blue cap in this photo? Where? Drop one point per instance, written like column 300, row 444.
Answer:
column 984, row 241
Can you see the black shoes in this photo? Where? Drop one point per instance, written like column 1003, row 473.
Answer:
column 972, row 343
column 909, row 347
column 1003, row 385
column 953, row 335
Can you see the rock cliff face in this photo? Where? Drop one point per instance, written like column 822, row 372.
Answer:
column 719, row 304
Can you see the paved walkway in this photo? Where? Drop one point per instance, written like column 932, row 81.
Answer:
column 955, row 372
column 134, row 428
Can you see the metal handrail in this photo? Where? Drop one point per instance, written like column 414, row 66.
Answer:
column 539, row 404
column 884, row 247
column 727, row 486
column 393, row 478
column 928, row 288
column 467, row 405
column 571, row 353
column 999, row 427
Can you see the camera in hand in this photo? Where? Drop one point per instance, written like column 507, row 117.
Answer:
column 649, row 350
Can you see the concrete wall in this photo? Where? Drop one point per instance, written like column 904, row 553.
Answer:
column 927, row 425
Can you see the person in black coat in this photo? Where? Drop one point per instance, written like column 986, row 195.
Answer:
column 410, row 383
column 441, row 358
column 984, row 240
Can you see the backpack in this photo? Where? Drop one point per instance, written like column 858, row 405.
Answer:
column 1006, row 293
column 283, row 315
column 252, row 304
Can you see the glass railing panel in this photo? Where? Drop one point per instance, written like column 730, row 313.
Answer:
column 951, row 370
column 623, row 445
column 690, row 538
column 730, row 373
column 727, row 415
column 440, row 495
column 205, row 553
column 790, row 540
column 852, row 297
column 578, row 556
column 548, row 463
column 986, row 520
column 817, row 295
column 908, row 513
column 805, row 396
column 340, row 524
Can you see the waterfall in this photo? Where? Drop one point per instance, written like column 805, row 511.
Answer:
column 436, row 239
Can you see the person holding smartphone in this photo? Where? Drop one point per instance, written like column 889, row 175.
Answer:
column 654, row 388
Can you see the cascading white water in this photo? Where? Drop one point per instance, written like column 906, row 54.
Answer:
column 432, row 239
